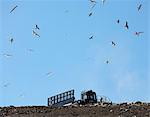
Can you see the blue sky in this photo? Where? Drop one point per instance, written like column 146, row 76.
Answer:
column 65, row 50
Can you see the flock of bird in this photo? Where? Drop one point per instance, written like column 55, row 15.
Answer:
column 94, row 2
column 36, row 30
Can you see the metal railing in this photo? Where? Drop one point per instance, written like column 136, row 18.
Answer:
column 61, row 99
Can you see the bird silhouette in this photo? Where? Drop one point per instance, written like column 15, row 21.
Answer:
column 91, row 37
column 93, row 6
column 49, row 74
column 138, row 33
column 93, row 1
column 13, row 9
column 90, row 14
column 107, row 61
column 11, row 40
column 118, row 21
column 139, row 7
column 7, row 55
column 113, row 43
column 30, row 50
column 36, row 34
column 103, row 1
column 126, row 25
column 36, row 27
column 6, row 85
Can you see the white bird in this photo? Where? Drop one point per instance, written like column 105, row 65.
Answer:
column 93, row 1
column 103, row 1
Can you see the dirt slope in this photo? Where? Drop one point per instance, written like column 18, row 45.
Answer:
column 97, row 110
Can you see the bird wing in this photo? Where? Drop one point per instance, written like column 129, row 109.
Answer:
column 139, row 7
column 141, row 32
column 13, row 8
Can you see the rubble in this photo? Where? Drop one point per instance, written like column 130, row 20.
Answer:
column 75, row 110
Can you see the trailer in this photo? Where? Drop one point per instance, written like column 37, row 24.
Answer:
column 61, row 99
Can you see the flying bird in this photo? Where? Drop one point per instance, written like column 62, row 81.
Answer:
column 36, row 27
column 90, row 14
column 7, row 55
column 107, row 61
column 139, row 7
column 103, row 1
column 93, row 6
column 11, row 40
column 49, row 74
column 13, row 9
column 113, row 43
column 93, row 1
column 118, row 21
column 91, row 37
column 138, row 33
column 6, row 85
column 30, row 50
column 36, row 34
column 126, row 25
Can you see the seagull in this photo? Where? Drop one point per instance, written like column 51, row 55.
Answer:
column 13, row 9
column 113, row 43
column 36, row 34
column 118, row 21
column 139, row 7
column 7, row 55
column 93, row 6
column 91, row 37
column 66, row 11
column 30, row 50
column 138, row 33
column 103, row 1
column 90, row 14
column 6, row 85
column 11, row 40
column 126, row 25
column 93, row 1
column 107, row 61
column 36, row 27
column 49, row 74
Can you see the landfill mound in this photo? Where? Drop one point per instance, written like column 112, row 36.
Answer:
column 89, row 110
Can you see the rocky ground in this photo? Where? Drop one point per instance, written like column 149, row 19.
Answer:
column 96, row 110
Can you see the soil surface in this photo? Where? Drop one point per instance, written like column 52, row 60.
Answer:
column 96, row 110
